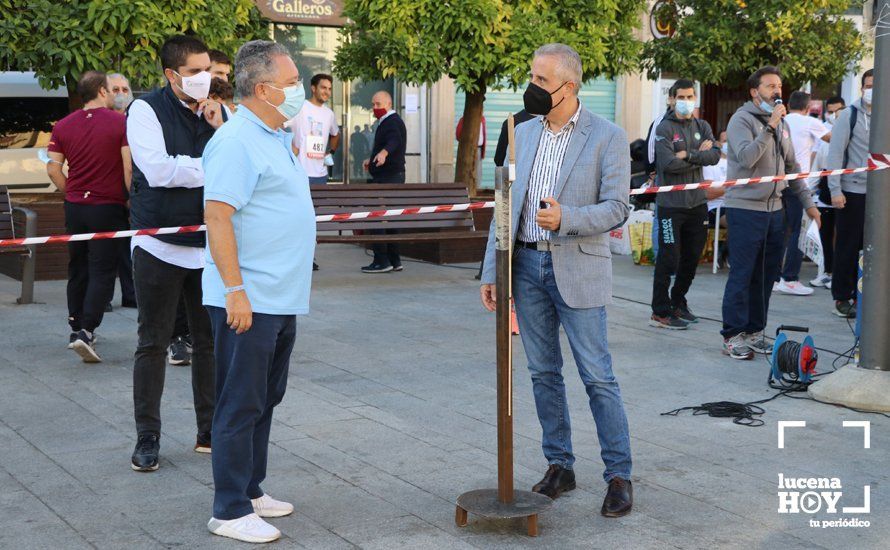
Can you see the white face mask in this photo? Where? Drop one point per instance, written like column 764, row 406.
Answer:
column 866, row 96
column 197, row 86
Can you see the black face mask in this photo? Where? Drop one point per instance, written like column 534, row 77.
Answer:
column 539, row 101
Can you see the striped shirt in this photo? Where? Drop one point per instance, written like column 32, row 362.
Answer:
column 542, row 181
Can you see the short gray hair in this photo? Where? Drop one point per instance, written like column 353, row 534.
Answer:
column 118, row 75
column 568, row 62
column 253, row 64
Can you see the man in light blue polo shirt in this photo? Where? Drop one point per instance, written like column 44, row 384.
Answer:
column 261, row 238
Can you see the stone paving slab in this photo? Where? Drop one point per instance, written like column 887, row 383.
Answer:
column 389, row 417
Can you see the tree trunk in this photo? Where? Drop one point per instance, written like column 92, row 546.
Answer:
column 74, row 101
column 465, row 170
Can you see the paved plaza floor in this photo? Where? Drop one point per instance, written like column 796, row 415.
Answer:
column 390, row 415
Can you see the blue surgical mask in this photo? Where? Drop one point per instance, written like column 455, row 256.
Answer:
column 294, row 97
column 767, row 106
column 685, row 107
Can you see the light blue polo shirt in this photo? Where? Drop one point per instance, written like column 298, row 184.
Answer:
column 253, row 168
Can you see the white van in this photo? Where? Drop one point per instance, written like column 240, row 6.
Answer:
column 27, row 115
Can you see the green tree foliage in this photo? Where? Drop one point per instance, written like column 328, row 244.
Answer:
column 60, row 39
column 481, row 44
column 724, row 41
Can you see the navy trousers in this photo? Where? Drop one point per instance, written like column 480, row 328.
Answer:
column 756, row 240
column 251, row 376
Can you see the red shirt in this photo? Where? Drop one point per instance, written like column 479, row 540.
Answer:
column 91, row 141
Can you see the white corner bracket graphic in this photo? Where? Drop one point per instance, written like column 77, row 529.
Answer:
column 866, row 430
column 866, row 503
column 788, row 424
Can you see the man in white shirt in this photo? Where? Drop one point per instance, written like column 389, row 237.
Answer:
column 316, row 131
column 806, row 132
column 168, row 130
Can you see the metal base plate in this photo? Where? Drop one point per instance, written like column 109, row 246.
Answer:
column 485, row 503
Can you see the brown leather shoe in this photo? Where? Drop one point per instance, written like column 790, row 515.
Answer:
column 619, row 498
column 556, row 481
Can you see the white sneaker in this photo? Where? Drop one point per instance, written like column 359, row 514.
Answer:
column 775, row 287
column 822, row 281
column 268, row 507
column 794, row 288
column 249, row 528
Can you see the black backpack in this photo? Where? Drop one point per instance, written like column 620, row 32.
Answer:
column 824, row 193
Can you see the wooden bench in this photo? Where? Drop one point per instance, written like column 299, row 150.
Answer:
column 439, row 226
column 26, row 253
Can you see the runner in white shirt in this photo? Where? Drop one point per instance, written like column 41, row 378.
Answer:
column 833, row 106
column 316, row 131
column 806, row 132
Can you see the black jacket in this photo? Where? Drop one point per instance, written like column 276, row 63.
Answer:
column 184, row 134
column 391, row 135
column 500, row 154
column 673, row 135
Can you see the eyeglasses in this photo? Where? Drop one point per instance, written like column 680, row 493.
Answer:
column 299, row 83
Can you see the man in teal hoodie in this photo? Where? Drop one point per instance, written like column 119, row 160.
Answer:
column 759, row 145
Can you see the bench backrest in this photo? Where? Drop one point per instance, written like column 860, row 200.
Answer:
column 6, row 228
column 334, row 199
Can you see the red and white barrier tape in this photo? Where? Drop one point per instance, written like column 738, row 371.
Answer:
column 875, row 162
column 196, row 228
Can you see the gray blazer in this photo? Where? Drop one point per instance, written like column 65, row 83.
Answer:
column 592, row 189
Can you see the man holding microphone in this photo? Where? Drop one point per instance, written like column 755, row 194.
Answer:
column 759, row 146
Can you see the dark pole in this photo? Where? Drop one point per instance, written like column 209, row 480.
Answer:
column 504, row 502
column 503, row 247
column 876, row 273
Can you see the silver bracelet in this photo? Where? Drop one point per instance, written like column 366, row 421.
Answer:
column 231, row 289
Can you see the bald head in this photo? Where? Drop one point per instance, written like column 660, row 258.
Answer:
column 381, row 100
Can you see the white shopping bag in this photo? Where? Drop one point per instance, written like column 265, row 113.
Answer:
column 619, row 238
column 811, row 244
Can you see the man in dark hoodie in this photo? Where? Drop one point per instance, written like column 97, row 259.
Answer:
column 683, row 145
column 759, row 145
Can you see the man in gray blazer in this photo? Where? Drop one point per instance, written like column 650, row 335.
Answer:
column 578, row 165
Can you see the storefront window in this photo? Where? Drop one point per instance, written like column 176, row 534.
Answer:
column 313, row 50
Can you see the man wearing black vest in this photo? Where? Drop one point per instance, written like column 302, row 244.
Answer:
column 386, row 165
column 169, row 129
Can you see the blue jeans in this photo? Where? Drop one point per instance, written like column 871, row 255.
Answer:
column 792, row 254
column 540, row 310
column 251, row 376
column 755, row 252
column 316, row 180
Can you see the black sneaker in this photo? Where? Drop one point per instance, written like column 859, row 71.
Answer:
column 314, row 266
column 83, row 345
column 845, row 309
column 202, row 443
column 399, row 267
column 71, row 338
column 684, row 314
column 670, row 323
column 179, row 354
column 145, row 456
column 377, row 268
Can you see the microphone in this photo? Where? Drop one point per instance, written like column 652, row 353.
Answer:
column 778, row 101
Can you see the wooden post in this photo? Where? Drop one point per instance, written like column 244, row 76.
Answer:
column 503, row 256
column 504, row 502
